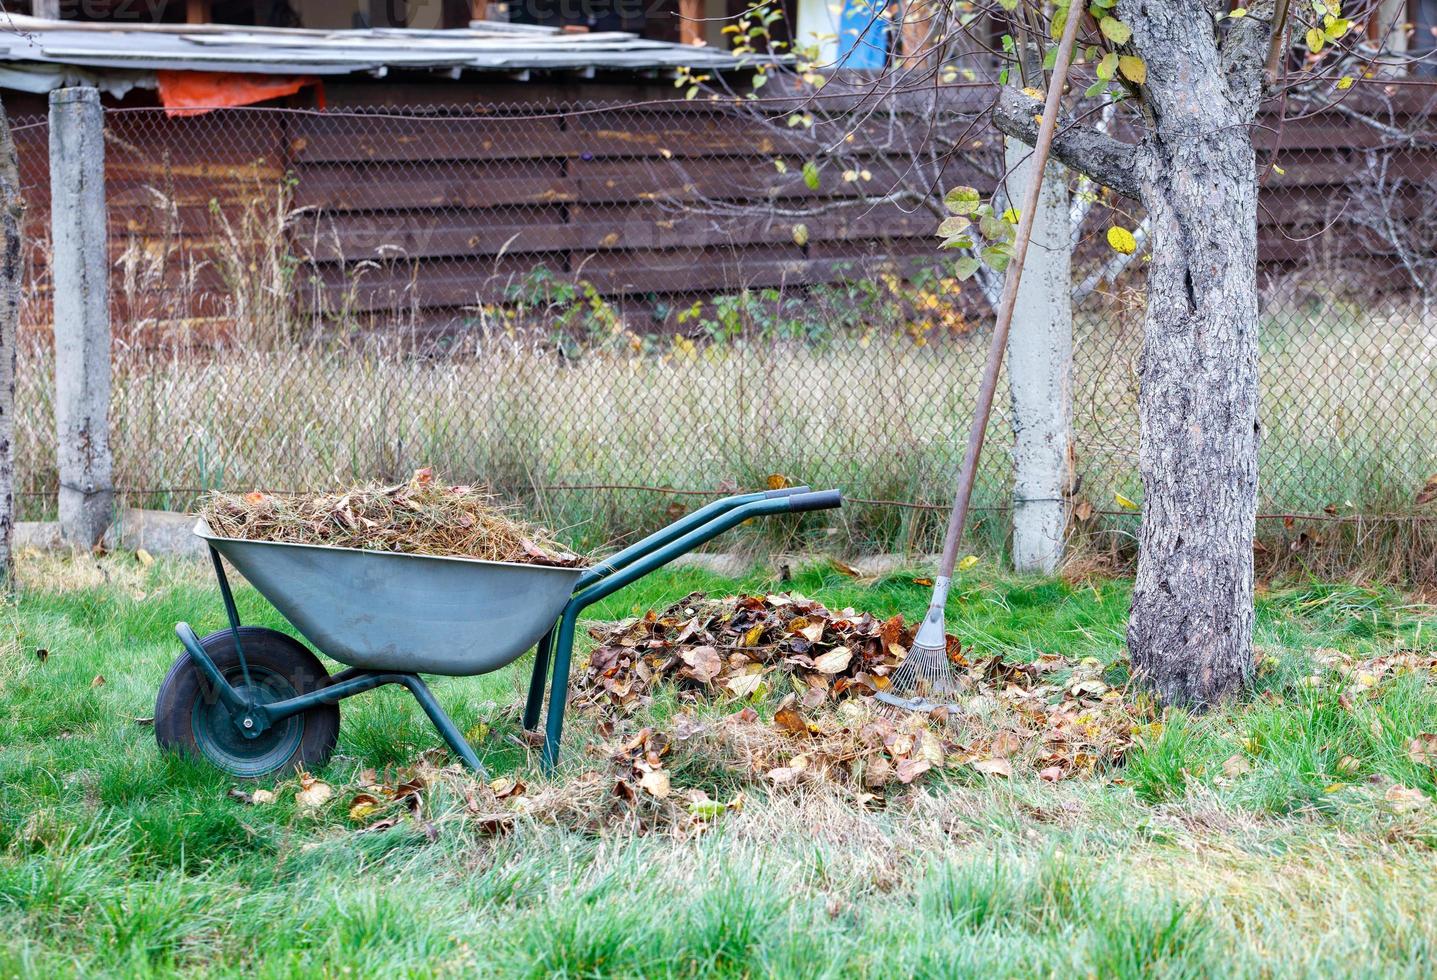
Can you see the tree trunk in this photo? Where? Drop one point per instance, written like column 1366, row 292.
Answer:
column 1040, row 375
column 11, row 211
column 1190, row 630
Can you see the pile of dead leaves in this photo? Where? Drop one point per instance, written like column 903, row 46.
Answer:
column 747, row 645
column 1054, row 715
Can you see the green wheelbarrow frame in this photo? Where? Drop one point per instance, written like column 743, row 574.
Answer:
column 252, row 719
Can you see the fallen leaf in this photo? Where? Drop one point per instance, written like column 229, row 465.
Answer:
column 98, row 680
column 1405, row 799
column 506, row 786
column 362, row 806
column 1423, row 749
column 787, row 717
column 704, row 663
column 655, row 783
column 833, row 661
column 910, row 769
column 1236, row 765
column 312, row 792
column 1051, row 774
column 994, row 767
column 745, row 684
column 1428, row 493
column 144, row 557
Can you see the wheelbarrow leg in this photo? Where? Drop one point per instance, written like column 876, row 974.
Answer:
column 558, row 688
column 450, row 731
column 535, row 701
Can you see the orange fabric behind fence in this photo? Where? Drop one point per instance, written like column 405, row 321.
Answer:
column 191, row 93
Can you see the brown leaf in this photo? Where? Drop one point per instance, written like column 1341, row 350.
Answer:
column 1051, row 774
column 507, row 786
column 703, row 663
column 1428, row 493
column 1423, row 749
column 1004, row 745
column 362, row 806
column 1235, row 766
column 312, row 793
column 994, row 767
column 910, row 769
column 655, row 783
column 1405, row 799
column 98, row 680
column 786, row 716
column 877, row 771
column 833, row 661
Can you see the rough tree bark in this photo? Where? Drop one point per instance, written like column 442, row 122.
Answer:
column 11, row 212
column 1194, row 171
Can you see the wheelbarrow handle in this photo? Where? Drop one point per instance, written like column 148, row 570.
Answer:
column 820, row 500
column 676, row 530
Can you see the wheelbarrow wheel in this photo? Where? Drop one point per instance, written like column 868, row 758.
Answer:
column 190, row 719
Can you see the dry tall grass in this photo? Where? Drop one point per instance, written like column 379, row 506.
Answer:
column 1348, row 416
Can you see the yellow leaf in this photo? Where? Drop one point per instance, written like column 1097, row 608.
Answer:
column 1315, row 40
column 1278, row 170
column 1239, row 12
column 777, row 481
column 1115, row 30
column 754, row 634
column 1121, row 240
column 967, row 563
column 800, row 235
column 1124, row 502
column 1134, row 69
column 1345, row 82
column 144, row 557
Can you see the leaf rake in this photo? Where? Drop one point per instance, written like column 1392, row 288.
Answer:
column 926, row 672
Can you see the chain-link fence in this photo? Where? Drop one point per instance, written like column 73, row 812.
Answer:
column 583, row 303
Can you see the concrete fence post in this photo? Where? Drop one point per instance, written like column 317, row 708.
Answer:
column 1040, row 356
column 80, row 268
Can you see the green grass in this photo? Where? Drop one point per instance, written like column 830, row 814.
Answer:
column 115, row 860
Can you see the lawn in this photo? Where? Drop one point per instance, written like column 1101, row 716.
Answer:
column 1291, row 835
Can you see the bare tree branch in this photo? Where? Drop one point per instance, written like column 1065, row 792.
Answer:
column 1101, row 157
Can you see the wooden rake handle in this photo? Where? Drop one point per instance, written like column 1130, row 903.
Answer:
column 989, row 384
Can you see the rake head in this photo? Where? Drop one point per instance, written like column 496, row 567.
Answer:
column 925, row 679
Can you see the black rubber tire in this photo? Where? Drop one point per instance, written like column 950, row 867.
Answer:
column 186, row 696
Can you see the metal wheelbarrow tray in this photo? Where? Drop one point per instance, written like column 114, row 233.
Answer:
column 253, row 701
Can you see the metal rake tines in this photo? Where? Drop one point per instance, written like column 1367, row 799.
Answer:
column 925, row 670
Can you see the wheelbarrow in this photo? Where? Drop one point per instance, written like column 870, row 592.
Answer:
column 254, row 701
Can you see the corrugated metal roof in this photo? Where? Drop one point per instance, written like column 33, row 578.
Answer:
column 283, row 51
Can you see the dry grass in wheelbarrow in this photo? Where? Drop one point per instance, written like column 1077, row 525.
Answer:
column 420, row 517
